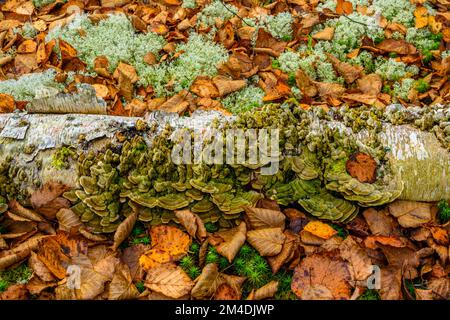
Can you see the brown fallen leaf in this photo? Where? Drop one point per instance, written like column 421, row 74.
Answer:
column 286, row 253
column 370, row 84
column 130, row 256
column 326, row 34
column 7, row 103
column 39, row 268
column 411, row 214
column 348, row 71
column 265, row 292
column 68, row 220
column 226, row 292
column 328, row 89
column 360, row 264
column 228, row 242
column 9, row 258
column 225, row 85
column 170, row 239
column 18, row 209
column 305, row 84
column 391, row 284
column 169, row 280
column 207, row 283
column 260, row 218
column 268, row 242
column 381, row 223
column 363, row 167
column 126, row 76
column 321, row 276
column 372, row 242
column 320, row 229
column 192, row 222
column 397, row 46
column 121, row 286
column 204, row 87
column 360, row 98
column 440, row 287
column 15, row 292
column 28, row 46
column 421, row 15
column 124, row 229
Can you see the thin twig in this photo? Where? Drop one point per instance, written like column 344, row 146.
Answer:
column 229, row 10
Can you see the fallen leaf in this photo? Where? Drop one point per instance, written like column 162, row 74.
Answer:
column 328, row 89
column 320, row 229
column 207, row 283
column 268, row 242
column 18, row 209
column 411, row 214
column 260, row 218
column 192, row 222
column 286, row 253
column 169, row 280
column 321, row 276
column 39, row 268
column 124, row 229
column 226, row 292
column 7, row 104
column 305, row 84
column 47, row 201
column 225, row 85
column 360, row 264
column 266, row 291
column 381, row 223
column 348, row 71
column 362, row 167
column 421, row 15
column 121, row 286
column 326, row 34
column 370, row 84
column 228, row 242
column 15, row 292
column 170, row 239
column 68, row 220
column 397, row 46
column 391, row 284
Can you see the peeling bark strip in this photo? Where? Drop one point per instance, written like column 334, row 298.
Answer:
column 416, row 165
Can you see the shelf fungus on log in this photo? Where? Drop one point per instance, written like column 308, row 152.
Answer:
column 329, row 162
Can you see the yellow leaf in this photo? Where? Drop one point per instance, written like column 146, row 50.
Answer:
column 320, row 229
column 421, row 14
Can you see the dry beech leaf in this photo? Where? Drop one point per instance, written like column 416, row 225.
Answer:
column 305, row 84
column 321, row 276
column 47, row 199
column 121, row 286
column 6, row 103
column 265, row 292
column 124, row 229
column 207, row 283
column 18, row 209
column 192, row 222
column 130, row 256
column 225, row 85
column 381, row 223
column 421, row 15
column 372, row 242
column 204, row 87
column 260, row 218
column 320, row 229
column 228, row 242
column 362, row 167
column 39, row 268
column 226, row 292
column 360, row 264
column 391, row 284
column 397, row 46
column 411, row 214
column 92, row 284
column 268, row 242
column 10, row 258
column 170, row 239
column 68, row 220
column 348, row 71
column 328, row 89
column 286, row 253
column 28, row 46
column 440, row 287
column 169, row 280
column 370, row 84
column 15, row 292
column 344, row 7
column 168, row 244
column 325, row 34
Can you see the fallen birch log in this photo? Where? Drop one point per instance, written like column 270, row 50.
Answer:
column 115, row 165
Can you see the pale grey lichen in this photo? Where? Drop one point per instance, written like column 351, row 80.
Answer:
column 289, row 61
column 280, row 25
column 243, row 100
column 401, row 11
column 113, row 37
column 216, row 10
column 201, row 56
column 189, row 4
column 28, row 86
column 390, row 69
column 401, row 90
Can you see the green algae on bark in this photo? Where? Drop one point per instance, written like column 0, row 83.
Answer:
column 126, row 164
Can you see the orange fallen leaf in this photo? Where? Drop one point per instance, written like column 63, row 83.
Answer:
column 320, row 229
column 362, row 167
